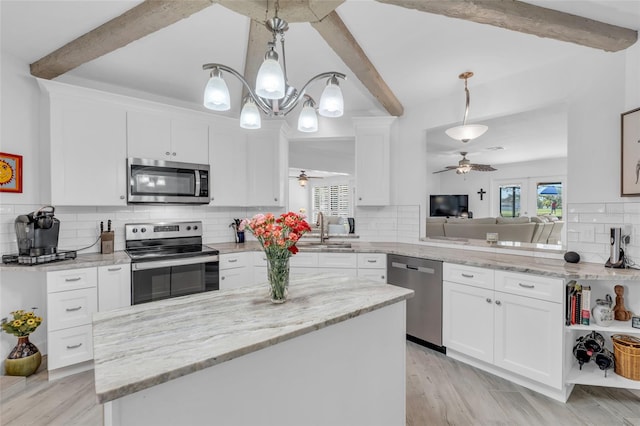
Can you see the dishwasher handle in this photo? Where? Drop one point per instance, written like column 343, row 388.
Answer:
column 413, row 268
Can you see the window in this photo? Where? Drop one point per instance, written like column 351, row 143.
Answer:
column 549, row 199
column 331, row 200
column 510, row 201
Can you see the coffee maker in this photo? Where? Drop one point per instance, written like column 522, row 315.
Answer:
column 616, row 258
column 37, row 232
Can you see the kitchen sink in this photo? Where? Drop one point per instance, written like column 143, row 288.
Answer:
column 322, row 246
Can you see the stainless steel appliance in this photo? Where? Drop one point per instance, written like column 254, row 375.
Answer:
column 167, row 182
column 616, row 258
column 37, row 237
column 169, row 260
column 424, row 309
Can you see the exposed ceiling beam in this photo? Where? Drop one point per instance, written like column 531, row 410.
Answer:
column 259, row 36
column 530, row 19
column 291, row 10
column 142, row 20
column 338, row 37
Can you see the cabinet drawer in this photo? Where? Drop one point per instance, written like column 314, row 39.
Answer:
column 372, row 260
column 470, row 275
column 308, row 260
column 71, row 308
column 337, row 260
column 70, row 346
column 235, row 278
column 529, row 285
column 379, row 275
column 233, row 260
column 72, row 279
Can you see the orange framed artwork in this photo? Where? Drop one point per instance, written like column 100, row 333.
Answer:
column 10, row 172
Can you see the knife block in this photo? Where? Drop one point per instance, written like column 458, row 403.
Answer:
column 106, row 242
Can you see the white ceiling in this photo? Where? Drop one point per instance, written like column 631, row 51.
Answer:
column 419, row 55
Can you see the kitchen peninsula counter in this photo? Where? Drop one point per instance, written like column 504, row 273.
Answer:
column 153, row 348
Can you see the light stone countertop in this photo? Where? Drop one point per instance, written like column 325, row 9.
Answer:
column 86, row 260
column 145, row 345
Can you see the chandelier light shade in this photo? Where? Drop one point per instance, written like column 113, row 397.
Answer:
column 308, row 119
column 216, row 93
column 250, row 116
column 273, row 95
column 466, row 132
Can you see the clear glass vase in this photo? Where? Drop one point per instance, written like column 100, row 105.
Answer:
column 278, row 274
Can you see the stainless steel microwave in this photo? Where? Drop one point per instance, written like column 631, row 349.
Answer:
column 167, row 182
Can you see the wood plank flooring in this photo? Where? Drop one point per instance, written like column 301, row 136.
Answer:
column 440, row 391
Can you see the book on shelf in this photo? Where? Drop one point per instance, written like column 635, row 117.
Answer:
column 578, row 309
column 586, row 305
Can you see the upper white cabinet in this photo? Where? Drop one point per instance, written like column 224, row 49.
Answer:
column 84, row 151
column 373, row 146
column 228, row 161
column 166, row 136
column 267, row 160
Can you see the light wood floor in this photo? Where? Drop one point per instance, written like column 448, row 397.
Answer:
column 440, row 391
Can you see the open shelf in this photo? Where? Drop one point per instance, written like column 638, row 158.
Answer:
column 616, row 327
column 592, row 375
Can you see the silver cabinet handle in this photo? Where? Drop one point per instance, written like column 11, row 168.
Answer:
column 488, row 300
column 382, row 277
column 122, row 197
column 275, row 199
column 167, row 153
column 372, row 261
column 526, row 285
column 173, row 153
column 70, row 280
column 74, row 346
column 467, row 275
column 498, row 302
column 233, row 260
column 359, row 198
column 73, row 309
column 114, row 269
column 222, row 278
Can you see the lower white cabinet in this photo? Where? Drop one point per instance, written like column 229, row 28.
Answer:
column 70, row 346
column 235, row 270
column 372, row 266
column 519, row 333
column 114, row 287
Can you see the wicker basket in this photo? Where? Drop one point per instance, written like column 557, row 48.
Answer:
column 627, row 353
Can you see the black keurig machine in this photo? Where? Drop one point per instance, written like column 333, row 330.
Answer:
column 616, row 258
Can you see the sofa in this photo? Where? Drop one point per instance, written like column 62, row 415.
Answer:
column 537, row 229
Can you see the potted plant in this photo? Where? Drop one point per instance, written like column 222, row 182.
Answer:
column 25, row 358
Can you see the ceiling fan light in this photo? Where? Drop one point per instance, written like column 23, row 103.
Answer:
column 216, row 93
column 250, row 116
column 331, row 101
column 303, row 180
column 467, row 132
column 270, row 78
column 308, row 119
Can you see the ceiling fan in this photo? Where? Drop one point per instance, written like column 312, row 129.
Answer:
column 303, row 178
column 465, row 166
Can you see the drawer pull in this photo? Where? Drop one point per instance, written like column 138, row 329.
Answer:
column 70, row 280
column 488, row 300
column 113, row 269
column 526, row 285
column 222, row 278
column 233, row 260
column 73, row 309
column 467, row 275
column 74, row 346
column 498, row 302
column 372, row 261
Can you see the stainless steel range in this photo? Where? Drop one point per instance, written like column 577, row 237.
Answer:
column 169, row 260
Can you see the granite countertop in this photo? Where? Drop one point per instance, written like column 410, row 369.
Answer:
column 497, row 258
column 86, row 260
column 145, row 345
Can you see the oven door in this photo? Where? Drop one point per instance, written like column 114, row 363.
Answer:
column 163, row 279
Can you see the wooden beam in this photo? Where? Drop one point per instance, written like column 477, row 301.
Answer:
column 259, row 36
column 338, row 37
column 142, row 20
column 530, row 19
column 291, row 10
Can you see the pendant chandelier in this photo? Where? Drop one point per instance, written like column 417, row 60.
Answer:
column 466, row 132
column 273, row 95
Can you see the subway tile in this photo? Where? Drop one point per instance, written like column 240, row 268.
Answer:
column 587, row 208
column 614, row 208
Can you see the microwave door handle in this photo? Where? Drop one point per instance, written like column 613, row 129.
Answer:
column 197, row 194
column 142, row 266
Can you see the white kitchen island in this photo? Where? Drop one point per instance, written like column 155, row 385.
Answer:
column 333, row 354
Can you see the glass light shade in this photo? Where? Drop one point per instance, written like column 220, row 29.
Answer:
column 250, row 116
column 216, row 94
column 467, row 132
column 331, row 102
column 308, row 120
column 303, row 181
column 270, row 80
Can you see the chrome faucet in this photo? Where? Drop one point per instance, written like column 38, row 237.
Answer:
column 320, row 222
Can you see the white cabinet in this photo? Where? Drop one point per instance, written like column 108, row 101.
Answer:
column 84, row 150
column 499, row 318
column 372, row 266
column 228, row 161
column 114, row 287
column 235, row 270
column 267, row 162
column 167, row 136
column 373, row 136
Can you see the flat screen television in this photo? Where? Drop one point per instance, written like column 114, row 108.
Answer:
column 448, row 205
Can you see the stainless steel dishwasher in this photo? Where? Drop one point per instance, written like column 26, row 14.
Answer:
column 424, row 309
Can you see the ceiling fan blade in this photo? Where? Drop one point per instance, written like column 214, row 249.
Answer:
column 482, row 168
column 448, row 169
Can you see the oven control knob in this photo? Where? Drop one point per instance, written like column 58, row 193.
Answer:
column 188, row 228
column 143, row 230
column 195, row 227
column 134, row 230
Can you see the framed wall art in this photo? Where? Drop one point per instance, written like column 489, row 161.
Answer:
column 10, row 172
column 630, row 153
